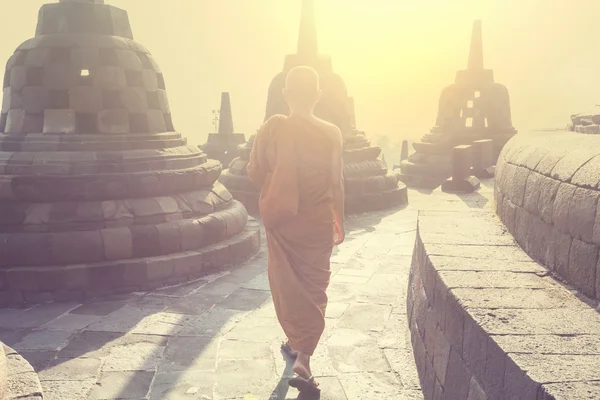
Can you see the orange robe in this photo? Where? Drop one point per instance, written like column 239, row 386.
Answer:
column 291, row 161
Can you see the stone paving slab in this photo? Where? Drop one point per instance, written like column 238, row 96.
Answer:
column 218, row 337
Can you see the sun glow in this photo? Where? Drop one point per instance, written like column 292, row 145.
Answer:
column 395, row 56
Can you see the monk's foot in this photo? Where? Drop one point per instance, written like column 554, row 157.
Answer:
column 302, row 368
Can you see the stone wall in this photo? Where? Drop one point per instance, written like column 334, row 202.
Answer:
column 547, row 195
column 487, row 322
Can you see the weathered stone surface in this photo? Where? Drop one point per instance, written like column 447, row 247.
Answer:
column 560, row 231
column 123, row 385
column 501, row 339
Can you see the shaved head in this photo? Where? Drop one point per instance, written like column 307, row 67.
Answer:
column 302, row 87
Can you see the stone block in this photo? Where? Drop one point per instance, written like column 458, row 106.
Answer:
column 441, row 355
column 146, row 241
column 12, row 99
column 85, row 99
column 129, row 60
column 169, row 237
column 75, row 277
column 18, row 249
column 455, row 320
column 59, row 121
column 582, row 213
column 474, row 348
column 134, row 99
column 118, row 243
column 156, row 121
column 596, row 232
column 15, row 121
column 163, row 101
column 85, row 57
column 115, row 121
column 440, row 302
column 37, row 57
column 22, row 279
column 59, row 77
column 548, row 191
column 18, row 77
column 562, row 247
column 495, row 367
column 517, row 383
column 560, row 212
column 159, row 269
column 457, row 378
column 583, row 259
column 77, row 247
column 532, row 193
column 475, row 391
column 110, row 78
column 516, row 188
column 587, row 175
column 150, row 80
column 35, row 99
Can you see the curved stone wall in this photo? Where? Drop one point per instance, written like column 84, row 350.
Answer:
column 3, row 374
column 547, row 195
column 487, row 322
column 18, row 380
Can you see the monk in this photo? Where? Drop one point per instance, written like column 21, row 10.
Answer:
column 296, row 160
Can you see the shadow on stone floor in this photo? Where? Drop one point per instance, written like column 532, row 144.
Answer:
column 123, row 321
column 474, row 200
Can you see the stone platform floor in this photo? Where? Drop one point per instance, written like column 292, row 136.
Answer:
column 218, row 338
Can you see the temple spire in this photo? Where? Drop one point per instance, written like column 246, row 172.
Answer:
column 476, row 54
column 225, row 116
column 307, row 39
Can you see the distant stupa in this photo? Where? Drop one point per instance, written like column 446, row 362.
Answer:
column 473, row 108
column 223, row 145
column 369, row 184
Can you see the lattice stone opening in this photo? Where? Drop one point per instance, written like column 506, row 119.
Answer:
column 469, row 122
column 486, row 122
column 477, row 94
column 470, row 104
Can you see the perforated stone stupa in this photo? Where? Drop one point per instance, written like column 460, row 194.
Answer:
column 369, row 184
column 223, row 145
column 98, row 193
column 473, row 108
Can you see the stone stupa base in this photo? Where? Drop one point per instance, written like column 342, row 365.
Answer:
column 84, row 281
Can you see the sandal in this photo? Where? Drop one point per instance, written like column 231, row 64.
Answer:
column 304, row 385
column 287, row 349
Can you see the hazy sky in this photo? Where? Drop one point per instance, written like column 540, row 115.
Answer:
column 395, row 55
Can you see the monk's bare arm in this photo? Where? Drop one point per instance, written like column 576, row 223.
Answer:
column 337, row 177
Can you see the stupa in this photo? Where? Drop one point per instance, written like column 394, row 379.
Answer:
column 369, row 184
column 473, row 108
column 98, row 193
column 223, row 145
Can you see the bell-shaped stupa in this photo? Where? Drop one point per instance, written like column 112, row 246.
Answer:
column 369, row 184
column 473, row 108
column 98, row 193
column 223, row 145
